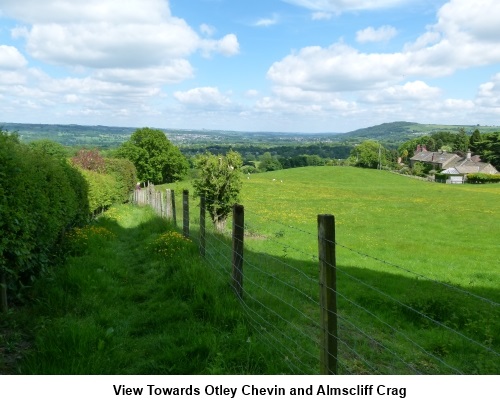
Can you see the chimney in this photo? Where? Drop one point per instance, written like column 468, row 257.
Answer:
column 469, row 155
column 418, row 149
column 424, row 149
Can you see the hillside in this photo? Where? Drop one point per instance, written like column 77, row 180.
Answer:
column 389, row 134
column 398, row 132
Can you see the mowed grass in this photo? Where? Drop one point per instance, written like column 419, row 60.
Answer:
column 418, row 264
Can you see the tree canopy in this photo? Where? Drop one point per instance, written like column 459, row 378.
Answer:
column 219, row 181
column 369, row 154
column 490, row 149
column 154, row 156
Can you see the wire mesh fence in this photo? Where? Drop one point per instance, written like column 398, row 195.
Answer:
column 389, row 319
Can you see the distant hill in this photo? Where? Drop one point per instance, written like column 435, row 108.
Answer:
column 390, row 135
column 398, row 132
column 111, row 137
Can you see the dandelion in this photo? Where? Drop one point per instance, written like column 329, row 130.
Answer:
column 79, row 239
column 170, row 244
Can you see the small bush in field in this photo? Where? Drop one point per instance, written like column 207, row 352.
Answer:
column 170, row 244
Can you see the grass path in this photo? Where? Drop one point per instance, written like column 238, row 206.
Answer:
column 120, row 306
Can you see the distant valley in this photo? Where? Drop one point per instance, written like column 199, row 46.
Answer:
column 389, row 134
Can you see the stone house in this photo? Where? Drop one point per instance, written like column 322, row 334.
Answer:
column 443, row 160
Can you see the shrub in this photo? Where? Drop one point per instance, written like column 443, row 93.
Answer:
column 41, row 197
column 101, row 190
column 482, row 178
column 89, row 160
column 125, row 175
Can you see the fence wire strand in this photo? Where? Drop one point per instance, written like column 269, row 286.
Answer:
column 281, row 299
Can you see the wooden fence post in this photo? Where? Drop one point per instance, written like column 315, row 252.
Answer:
column 174, row 215
column 238, row 235
column 202, row 225
column 185, row 213
column 328, row 294
column 169, row 203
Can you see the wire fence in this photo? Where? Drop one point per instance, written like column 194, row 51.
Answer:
column 389, row 319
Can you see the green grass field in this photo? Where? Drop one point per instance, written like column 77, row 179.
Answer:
column 418, row 263
column 418, row 276
column 447, row 232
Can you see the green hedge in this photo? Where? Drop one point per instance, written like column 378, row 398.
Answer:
column 111, row 187
column 124, row 172
column 41, row 196
column 101, row 189
column 482, row 178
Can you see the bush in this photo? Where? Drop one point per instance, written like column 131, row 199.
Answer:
column 41, row 197
column 124, row 172
column 109, row 181
column 440, row 177
column 102, row 190
column 482, row 178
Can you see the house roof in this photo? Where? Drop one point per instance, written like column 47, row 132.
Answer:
column 466, row 166
column 445, row 159
column 462, row 165
column 451, row 170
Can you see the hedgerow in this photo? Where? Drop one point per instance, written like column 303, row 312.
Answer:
column 41, row 197
column 125, row 174
column 108, row 183
column 482, row 178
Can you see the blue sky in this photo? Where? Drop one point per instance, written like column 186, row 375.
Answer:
column 252, row 65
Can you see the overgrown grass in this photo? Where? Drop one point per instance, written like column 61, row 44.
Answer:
column 127, row 302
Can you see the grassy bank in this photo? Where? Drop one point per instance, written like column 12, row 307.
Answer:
column 132, row 299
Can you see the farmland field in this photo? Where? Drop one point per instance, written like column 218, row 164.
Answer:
column 418, row 263
column 447, row 232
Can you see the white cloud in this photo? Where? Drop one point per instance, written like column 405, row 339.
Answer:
column 207, row 30
column 174, row 72
column 203, row 97
column 252, row 93
column 338, row 68
column 266, row 22
column 227, row 46
column 371, row 34
column 410, row 91
column 460, row 39
column 109, row 35
column 11, row 58
column 488, row 95
column 321, row 15
column 61, row 12
column 337, row 6
column 119, row 56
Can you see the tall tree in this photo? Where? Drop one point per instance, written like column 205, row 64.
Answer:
column 369, row 154
column 491, row 149
column 268, row 163
column 475, row 142
column 461, row 142
column 154, row 156
column 219, row 181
